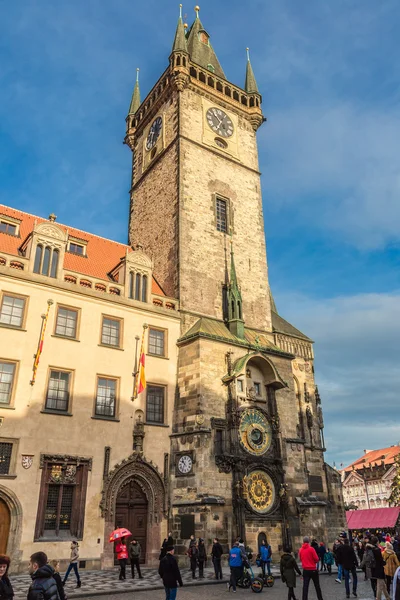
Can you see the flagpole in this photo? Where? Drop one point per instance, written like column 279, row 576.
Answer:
column 135, row 368
column 40, row 342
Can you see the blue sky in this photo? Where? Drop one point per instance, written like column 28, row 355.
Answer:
column 329, row 74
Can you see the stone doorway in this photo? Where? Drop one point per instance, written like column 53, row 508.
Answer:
column 5, row 521
column 131, row 512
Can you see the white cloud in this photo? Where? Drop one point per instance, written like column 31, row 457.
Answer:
column 357, row 354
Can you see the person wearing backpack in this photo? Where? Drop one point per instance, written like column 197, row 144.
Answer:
column 265, row 556
column 377, row 570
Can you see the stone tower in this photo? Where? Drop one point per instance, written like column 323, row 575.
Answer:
column 246, row 454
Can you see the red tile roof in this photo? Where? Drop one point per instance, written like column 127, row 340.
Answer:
column 373, row 457
column 103, row 255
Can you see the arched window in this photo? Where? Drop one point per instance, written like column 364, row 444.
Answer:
column 38, row 259
column 137, row 287
column 46, row 261
column 131, row 284
column 144, row 288
column 54, row 263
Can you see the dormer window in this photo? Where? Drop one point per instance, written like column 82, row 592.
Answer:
column 138, row 286
column 211, row 68
column 8, row 226
column 76, row 248
column 46, row 261
column 204, row 37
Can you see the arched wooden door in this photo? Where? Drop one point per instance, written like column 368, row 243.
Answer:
column 131, row 512
column 4, row 526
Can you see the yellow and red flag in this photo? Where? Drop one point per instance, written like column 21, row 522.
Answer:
column 140, row 382
column 41, row 341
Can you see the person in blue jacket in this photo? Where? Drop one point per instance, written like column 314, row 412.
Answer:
column 265, row 556
column 236, row 566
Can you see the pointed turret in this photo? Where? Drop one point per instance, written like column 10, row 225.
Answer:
column 235, row 321
column 135, row 102
column 179, row 44
column 251, row 85
column 200, row 49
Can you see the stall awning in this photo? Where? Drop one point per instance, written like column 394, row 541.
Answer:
column 372, row 518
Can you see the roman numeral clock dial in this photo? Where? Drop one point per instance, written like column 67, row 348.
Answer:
column 154, row 133
column 219, row 122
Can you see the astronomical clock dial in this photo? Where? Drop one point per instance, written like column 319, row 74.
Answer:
column 254, row 432
column 154, row 133
column 260, row 491
column 219, row 122
column 185, row 464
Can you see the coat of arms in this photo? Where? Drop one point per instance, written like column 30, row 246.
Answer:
column 27, row 460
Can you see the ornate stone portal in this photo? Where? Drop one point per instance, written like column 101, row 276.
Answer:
column 148, row 478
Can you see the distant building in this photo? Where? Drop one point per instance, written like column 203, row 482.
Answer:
column 367, row 481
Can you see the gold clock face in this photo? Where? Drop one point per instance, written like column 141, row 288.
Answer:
column 254, row 432
column 260, row 491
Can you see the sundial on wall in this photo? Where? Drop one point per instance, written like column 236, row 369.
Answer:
column 254, row 432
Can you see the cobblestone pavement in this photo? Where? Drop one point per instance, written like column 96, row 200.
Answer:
column 330, row 591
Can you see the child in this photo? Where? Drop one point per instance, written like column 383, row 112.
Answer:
column 289, row 569
column 56, row 576
column 329, row 559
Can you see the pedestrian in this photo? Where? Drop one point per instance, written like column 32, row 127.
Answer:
column 348, row 560
column 367, row 563
column 321, row 554
column 314, row 544
column 43, row 586
column 55, row 563
column 193, row 554
column 309, row 561
column 73, row 564
column 336, row 547
column 396, row 585
column 236, row 566
column 329, row 560
column 392, row 563
column 170, row 574
column 265, row 556
column 6, row 590
column 289, row 568
column 192, row 540
column 216, row 554
column 378, row 571
column 202, row 557
column 135, row 551
column 122, row 557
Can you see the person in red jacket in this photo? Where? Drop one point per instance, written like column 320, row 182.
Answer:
column 122, row 557
column 309, row 561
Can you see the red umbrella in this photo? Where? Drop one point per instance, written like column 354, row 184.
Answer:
column 119, row 533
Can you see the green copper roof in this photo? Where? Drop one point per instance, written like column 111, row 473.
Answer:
column 202, row 53
column 180, row 37
column 217, row 330
column 251, row 84
column 135, row 102
column 279, row 325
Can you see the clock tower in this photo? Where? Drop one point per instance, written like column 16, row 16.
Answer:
column 246, row 439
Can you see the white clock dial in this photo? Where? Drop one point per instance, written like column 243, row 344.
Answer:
column 185, row 464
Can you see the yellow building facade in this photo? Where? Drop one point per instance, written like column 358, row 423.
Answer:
column 75, row 450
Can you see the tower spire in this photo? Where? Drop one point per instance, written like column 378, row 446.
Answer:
column 235, row 321
column 179, row 44
column 200, row 49
column 251, row 84
column 135, row 102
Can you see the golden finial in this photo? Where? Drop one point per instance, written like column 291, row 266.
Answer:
column 197, row 10
column 248, row 54
column 185, row 25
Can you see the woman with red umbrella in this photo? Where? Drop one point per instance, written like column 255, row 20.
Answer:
column 121, row 549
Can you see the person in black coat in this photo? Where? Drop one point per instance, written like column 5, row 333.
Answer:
column 56, row 566
column 170, row 574
column 43, row 586
column 216, row 554
column 6, row 591
column 348, row 559
column 202, row 557
column 378, row 571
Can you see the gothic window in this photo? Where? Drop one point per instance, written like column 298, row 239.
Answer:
column 67, row 322
column 111, row 332
column 46, row 261
column 58, row 390
column 6, row 449
column 61, row 510
column 12, row 310
column 137, row 286
column 221, row 214
column 144, row 288
column 155, row 404
column 7, row 377
column 106, row 395
column 219, row 441
column 156, row 342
